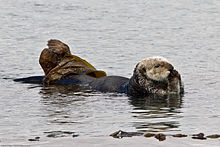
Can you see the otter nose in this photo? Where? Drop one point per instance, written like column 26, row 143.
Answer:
column 170, row 68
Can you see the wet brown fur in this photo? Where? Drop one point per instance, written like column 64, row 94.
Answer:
column 50, row 57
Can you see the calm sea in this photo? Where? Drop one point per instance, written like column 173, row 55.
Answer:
column 113, row 36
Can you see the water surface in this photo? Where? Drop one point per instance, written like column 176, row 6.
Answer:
column 113, row 36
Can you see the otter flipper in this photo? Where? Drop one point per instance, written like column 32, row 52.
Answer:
column 58, row 63
column 32, row 79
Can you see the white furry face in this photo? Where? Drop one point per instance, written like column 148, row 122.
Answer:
column 157, row 69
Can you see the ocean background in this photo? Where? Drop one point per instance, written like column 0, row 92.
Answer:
column 113, row 36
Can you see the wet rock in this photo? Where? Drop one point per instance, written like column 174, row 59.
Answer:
column 199, row 136
column 213, row 136
column 34, row 139
column 149, row 135
column 160, row 137
column 121, row 134
column 179, row 135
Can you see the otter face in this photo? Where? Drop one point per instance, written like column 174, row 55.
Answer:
column 155, row 68
column 155, row 75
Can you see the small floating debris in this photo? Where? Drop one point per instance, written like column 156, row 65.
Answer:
column 54, row 135
column 160, row 137
column 34, row 139
column 149, row 135
column 75, row 135
column 121, row 134
column 213, row 136
column 179, row 135
column 199, row 136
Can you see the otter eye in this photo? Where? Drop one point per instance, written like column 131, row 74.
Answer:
column 156, row 66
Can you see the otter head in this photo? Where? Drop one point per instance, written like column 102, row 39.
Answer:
column 155, row 75
column 154, row 68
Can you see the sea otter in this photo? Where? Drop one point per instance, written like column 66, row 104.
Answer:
column 154, row 75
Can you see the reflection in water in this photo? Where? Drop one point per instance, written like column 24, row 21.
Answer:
column 82, row 111
column 157, row 113
column 60, row 101
column 60, row 90
column 72, row 105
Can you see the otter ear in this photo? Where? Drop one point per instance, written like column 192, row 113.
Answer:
column 140, row 68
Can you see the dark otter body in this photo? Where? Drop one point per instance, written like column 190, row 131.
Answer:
column 117, row 84
column 105, row 84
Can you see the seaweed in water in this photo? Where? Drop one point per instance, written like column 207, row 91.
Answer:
column 121, row 134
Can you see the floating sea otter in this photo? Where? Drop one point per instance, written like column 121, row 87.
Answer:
column 153, row 75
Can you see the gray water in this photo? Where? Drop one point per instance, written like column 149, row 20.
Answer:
column 113, row 36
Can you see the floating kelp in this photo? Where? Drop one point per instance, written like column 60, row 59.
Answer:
column 160, row 137
column 34, row 139
column 199, row 136
column 121, row 134
column 56, row 134
column 213, row 136
column 179, row 135
column 149, row 135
